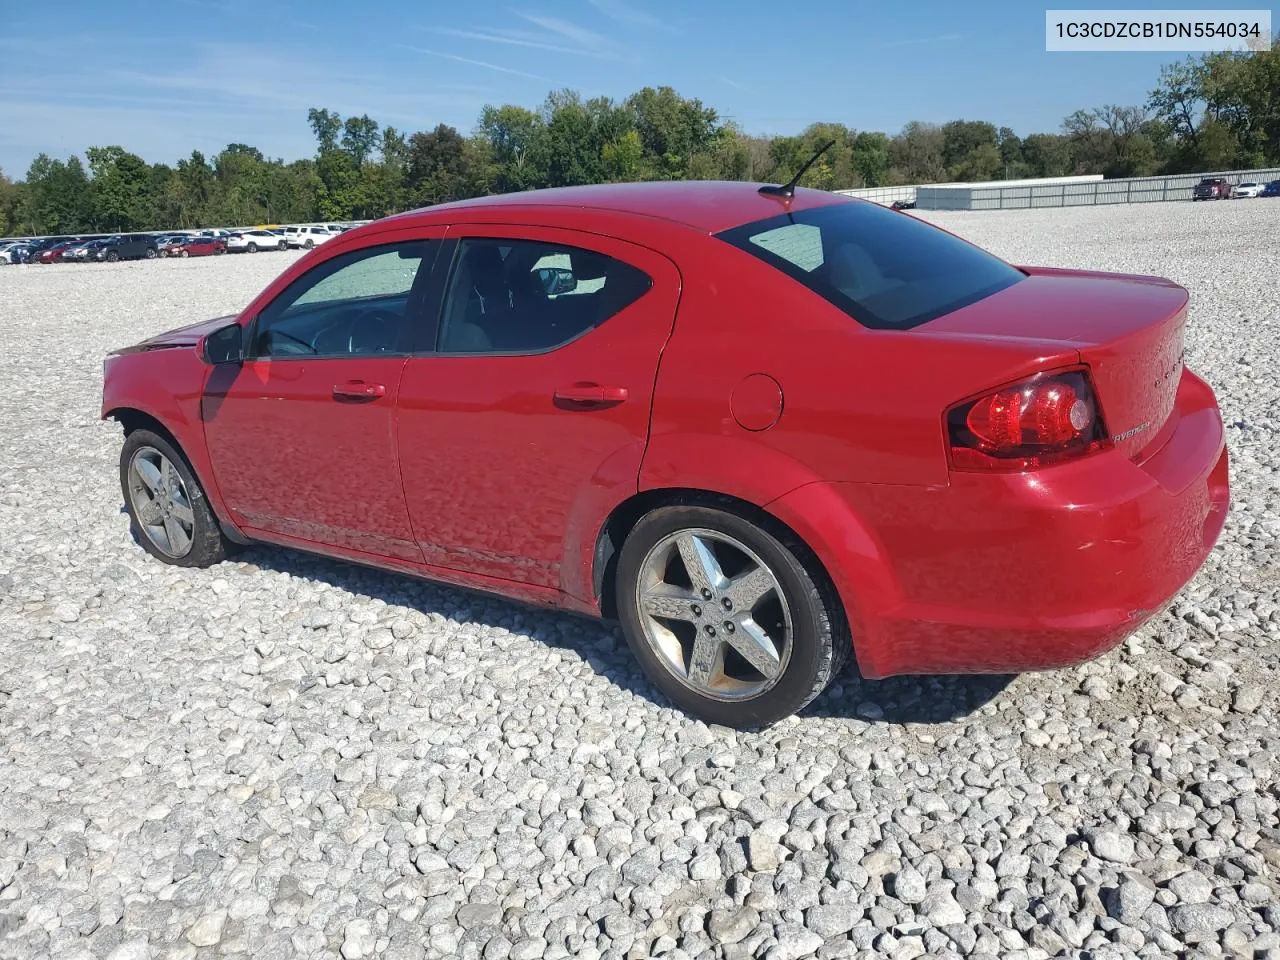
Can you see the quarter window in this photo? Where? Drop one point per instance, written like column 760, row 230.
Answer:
column 356, row 304
column 525, row 296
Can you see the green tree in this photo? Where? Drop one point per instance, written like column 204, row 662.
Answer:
column 436, row 171
column 326, row 126
column 622, row 159
column 672, row 128
column 871, row 158
column 359, row 138
column 1047, row 155
column 1242, row 93
column 56, row 196
column 8, row 206
column 915, row 154
column 968, row 147
column 517, row 140
column 1011, row 160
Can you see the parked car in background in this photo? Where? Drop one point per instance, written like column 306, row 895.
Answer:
column 1272, row 189
column 308, row 237
column 978, row 467
column 79, row 252
column 1249, row 189
column 15, row 251
column 91, row 249
column 1211, row 188
column 52, row 252
column 68, row 253
column 132, row 246
column 196, row 247
column 251, row 241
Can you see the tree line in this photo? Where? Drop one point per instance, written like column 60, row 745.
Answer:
column 1213, row 112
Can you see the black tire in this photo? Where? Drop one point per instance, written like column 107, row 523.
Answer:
column 112, row 256
column 253, row 247
column 820, row 642
column 184, row 253
column 284, row 245
column 151, row 254
column 309, row 244
column 208, row 545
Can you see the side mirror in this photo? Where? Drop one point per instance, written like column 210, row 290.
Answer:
column 224, row 345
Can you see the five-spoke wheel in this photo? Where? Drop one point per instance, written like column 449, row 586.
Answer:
column 161, row 502
column 170, row 516
column 725, row 615
column 715, row 613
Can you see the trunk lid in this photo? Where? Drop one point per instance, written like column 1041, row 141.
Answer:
column 1128, row 329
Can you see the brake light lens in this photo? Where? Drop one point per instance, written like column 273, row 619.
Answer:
column 1044, row 420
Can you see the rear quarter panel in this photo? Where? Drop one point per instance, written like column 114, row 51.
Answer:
column 858, row 405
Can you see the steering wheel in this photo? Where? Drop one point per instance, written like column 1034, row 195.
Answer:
column 378, row 327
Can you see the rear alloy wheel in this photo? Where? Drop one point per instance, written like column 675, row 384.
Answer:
column 112, row 256
column 184, row 253
column 168, row 512
column 151, row 254
column 253, row 247
column 725, row 618
column 309, row 244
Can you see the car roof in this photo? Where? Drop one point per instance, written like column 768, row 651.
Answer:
column 704, row 205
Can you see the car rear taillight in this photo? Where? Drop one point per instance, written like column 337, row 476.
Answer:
column 1037, row 422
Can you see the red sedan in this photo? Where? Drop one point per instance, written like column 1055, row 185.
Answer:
column 195, row 247
column 52, row 254
column 762, row 429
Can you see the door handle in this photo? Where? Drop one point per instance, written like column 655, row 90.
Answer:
column 358, row 390
column 591, row 395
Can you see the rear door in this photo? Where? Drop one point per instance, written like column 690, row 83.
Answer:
column 525, row 419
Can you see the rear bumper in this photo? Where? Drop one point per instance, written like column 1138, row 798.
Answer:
column 1006, row 573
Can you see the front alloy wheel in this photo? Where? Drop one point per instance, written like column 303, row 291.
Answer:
column 168, row 512
column 725, row 617
column 161, row 502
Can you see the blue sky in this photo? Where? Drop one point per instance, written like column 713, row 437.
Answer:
column 162, row 78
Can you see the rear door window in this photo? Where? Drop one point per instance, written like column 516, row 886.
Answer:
column 887, row 270
column 509, row 296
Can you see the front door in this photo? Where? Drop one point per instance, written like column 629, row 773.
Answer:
column 532, row 414
column 301, row 435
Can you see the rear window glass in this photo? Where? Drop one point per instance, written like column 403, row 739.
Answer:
column 885, row 269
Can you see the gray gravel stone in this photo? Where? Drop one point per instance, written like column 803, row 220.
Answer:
column 207, row 931
column 1131, row 899
column 1191, row 887
column 833, row 919
column 1110, row 845
column 908, row 885
column 733, row 925
column 1199, row 918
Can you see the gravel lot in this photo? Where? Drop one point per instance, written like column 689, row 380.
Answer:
column 284, row 756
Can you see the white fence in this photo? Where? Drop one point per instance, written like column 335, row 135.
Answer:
column 1044, row 193
column 888, row 195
